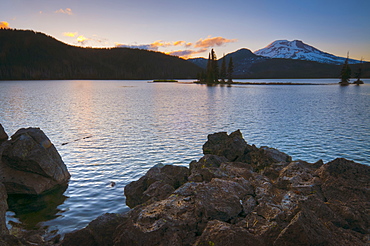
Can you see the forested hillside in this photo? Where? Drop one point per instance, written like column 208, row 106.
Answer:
column 33, row 55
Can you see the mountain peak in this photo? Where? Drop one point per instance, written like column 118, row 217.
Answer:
column 298, row 50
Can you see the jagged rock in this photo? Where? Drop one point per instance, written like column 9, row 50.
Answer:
column 30, row 163
column 230, row 146
column 158, row 183
column 3, row 135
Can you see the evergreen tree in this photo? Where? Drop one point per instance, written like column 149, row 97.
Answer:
column 223, row 70
column 214, row 66
column 209, row 73
column 230, row 71
column 345, row 73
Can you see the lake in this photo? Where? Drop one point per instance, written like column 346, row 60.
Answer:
column 114, row 131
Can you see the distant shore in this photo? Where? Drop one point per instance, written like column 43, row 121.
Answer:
column 266, row 83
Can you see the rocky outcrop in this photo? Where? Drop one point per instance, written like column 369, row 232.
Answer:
column 30, row 164
column 238, row 194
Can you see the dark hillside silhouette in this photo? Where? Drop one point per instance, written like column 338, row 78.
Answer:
column 33, row 55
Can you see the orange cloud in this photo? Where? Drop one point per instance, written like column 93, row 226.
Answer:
column 82, row 40
column 212, row 42
column 70, row 34
column 179, row 43
column 186, row 53
column 67, row 11
column 160, row 43
column 4, row 25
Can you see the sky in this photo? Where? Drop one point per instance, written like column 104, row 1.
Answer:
column 191, row 28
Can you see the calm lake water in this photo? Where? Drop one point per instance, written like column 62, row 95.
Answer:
column 117, row 130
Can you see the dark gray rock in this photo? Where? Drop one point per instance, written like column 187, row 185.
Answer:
column 31, row 164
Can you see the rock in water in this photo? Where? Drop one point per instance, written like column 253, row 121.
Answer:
column 30, row 164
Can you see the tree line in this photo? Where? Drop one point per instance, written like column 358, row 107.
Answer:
column 215, row 75
column 27, row 55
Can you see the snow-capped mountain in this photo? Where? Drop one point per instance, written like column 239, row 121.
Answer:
column 298, row 50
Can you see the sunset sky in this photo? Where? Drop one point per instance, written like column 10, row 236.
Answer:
column 190, row 28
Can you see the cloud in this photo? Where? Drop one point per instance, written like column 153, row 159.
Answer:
column 4, row 25
column 186, row 53
column 189, row 50
column 70, row 34
column 82, row 39
column 155, row 45
column 139, row 46
column 212, row 42
column 66, row 11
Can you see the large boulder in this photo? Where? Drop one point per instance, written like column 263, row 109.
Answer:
column 30, row 163
column 158, row 183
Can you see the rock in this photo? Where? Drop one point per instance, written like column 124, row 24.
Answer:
column 307, row 229
column 220, row 233
column 238, row 194
column 3, row 135
column 230, row 146
column 298, row 176
column 3, row 208
column 81, row 237
column 158, row 183
column 207, row 168
column 10, row 240
column 99, row 231
column 30, row 163
column 220, row 199
column 276, row 155
column 175, row 220
column 345, row 186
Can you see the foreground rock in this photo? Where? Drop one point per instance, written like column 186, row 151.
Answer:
column 238, row 194
column 30, row 164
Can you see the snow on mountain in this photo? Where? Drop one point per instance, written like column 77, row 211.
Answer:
column 298, row 50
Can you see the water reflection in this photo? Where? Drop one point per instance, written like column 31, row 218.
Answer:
column 31, row 210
